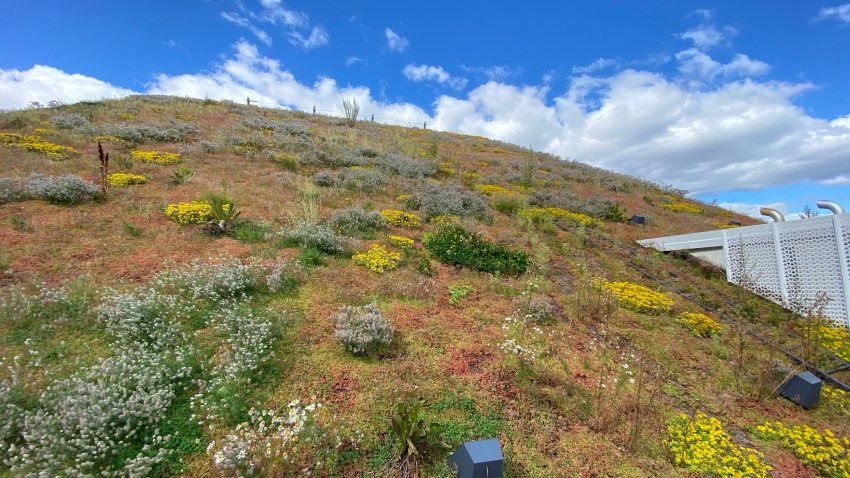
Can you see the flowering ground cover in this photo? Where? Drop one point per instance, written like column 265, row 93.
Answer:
column 276, row 343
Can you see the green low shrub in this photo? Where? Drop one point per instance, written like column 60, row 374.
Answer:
column 457, row 246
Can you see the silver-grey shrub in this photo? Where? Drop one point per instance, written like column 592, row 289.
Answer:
column 261, row 123
column 436, row 199
column 249, row 343
column 177, row 131
column 319, row 236
column 68, row 189
column 83, row 423
column 405, row 166
column 218, row 280
column 356, row 219
column 11, row 190
column 362, row 330
column 69, row 121
column 363, row 179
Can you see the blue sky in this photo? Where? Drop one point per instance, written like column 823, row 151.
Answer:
column 746, row 102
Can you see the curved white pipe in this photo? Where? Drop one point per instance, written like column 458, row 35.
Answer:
column 832, row 206
column 773, row 214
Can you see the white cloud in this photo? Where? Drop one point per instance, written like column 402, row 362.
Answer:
column 840, row 13
column 706, row 35
column 44, row 83
column 396, row 42
column 351, row 60
column 318, row 37
column 274, row 13
column 241, row 21
column 840, row 180
column 433, row 73
column 695, row 63
column 741, row 134
column 752, row 210
column 595, row 66
column 494, row 73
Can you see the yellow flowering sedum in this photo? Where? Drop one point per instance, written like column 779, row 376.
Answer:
column 401, row 218
column 44, row 131
column 186, row 213
column 159, row 157
column 700, row 444
column 403, row 197
column 636, row 297
column 834, row 339
column 822, row 451
column 682, row 207
column 401, row 241
column 125, row 179
column 444, row 220
column 446, row 168
column 491, row 189
column 699, row 324
column 37, row 145
column 723, row 225
column 378, row 259
column 537, row 214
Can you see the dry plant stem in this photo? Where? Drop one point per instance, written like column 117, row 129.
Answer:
column 104, row 168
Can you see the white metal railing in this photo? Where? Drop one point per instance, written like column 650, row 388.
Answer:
column 791, row 263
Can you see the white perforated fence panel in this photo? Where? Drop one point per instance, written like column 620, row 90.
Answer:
column 751, row 261
column 792, row 262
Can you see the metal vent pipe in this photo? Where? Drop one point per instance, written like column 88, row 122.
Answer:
column 832, row 206
column 773, row 214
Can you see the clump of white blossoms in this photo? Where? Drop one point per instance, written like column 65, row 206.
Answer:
column 522, row 341
column 265, row 436
column 362, row 330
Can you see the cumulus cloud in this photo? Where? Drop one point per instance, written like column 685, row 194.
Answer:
column 318, row 37
column 707, row 35
column 738, row 133
column 396, row 42
column 351, row 60
column 274, row 13
column 433, row 73
column 840, row 13
column 752, row 210
column 599, row 64
column 241, row 21
column 696, row 63
column 494, row 73
column 44, row 83
column 840, row 180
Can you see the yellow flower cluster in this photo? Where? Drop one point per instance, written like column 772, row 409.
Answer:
column 444, row 220
column 836, row 399
column 700, row 444
column 682, row 207
column 125, row 179
column 491, row 189
column 537, row 214
column 127, row 116
column 185, row 117
column 499, row 151
column 403, row 197
column 378, row 259
column 471, row 175
column 401, row 241
column 159, row 157
column 109, row 139
column 834, row 339
column 636, row 297
column 723, row 225
column 36, row 144
column 361, row 168
column 44, row 131
column 699, row 324
column 186, row 213
column 822, row 451
column 401, row 218
column 481, row 163
column 446, row 168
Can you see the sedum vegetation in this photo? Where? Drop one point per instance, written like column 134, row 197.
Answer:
column 475, row 289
